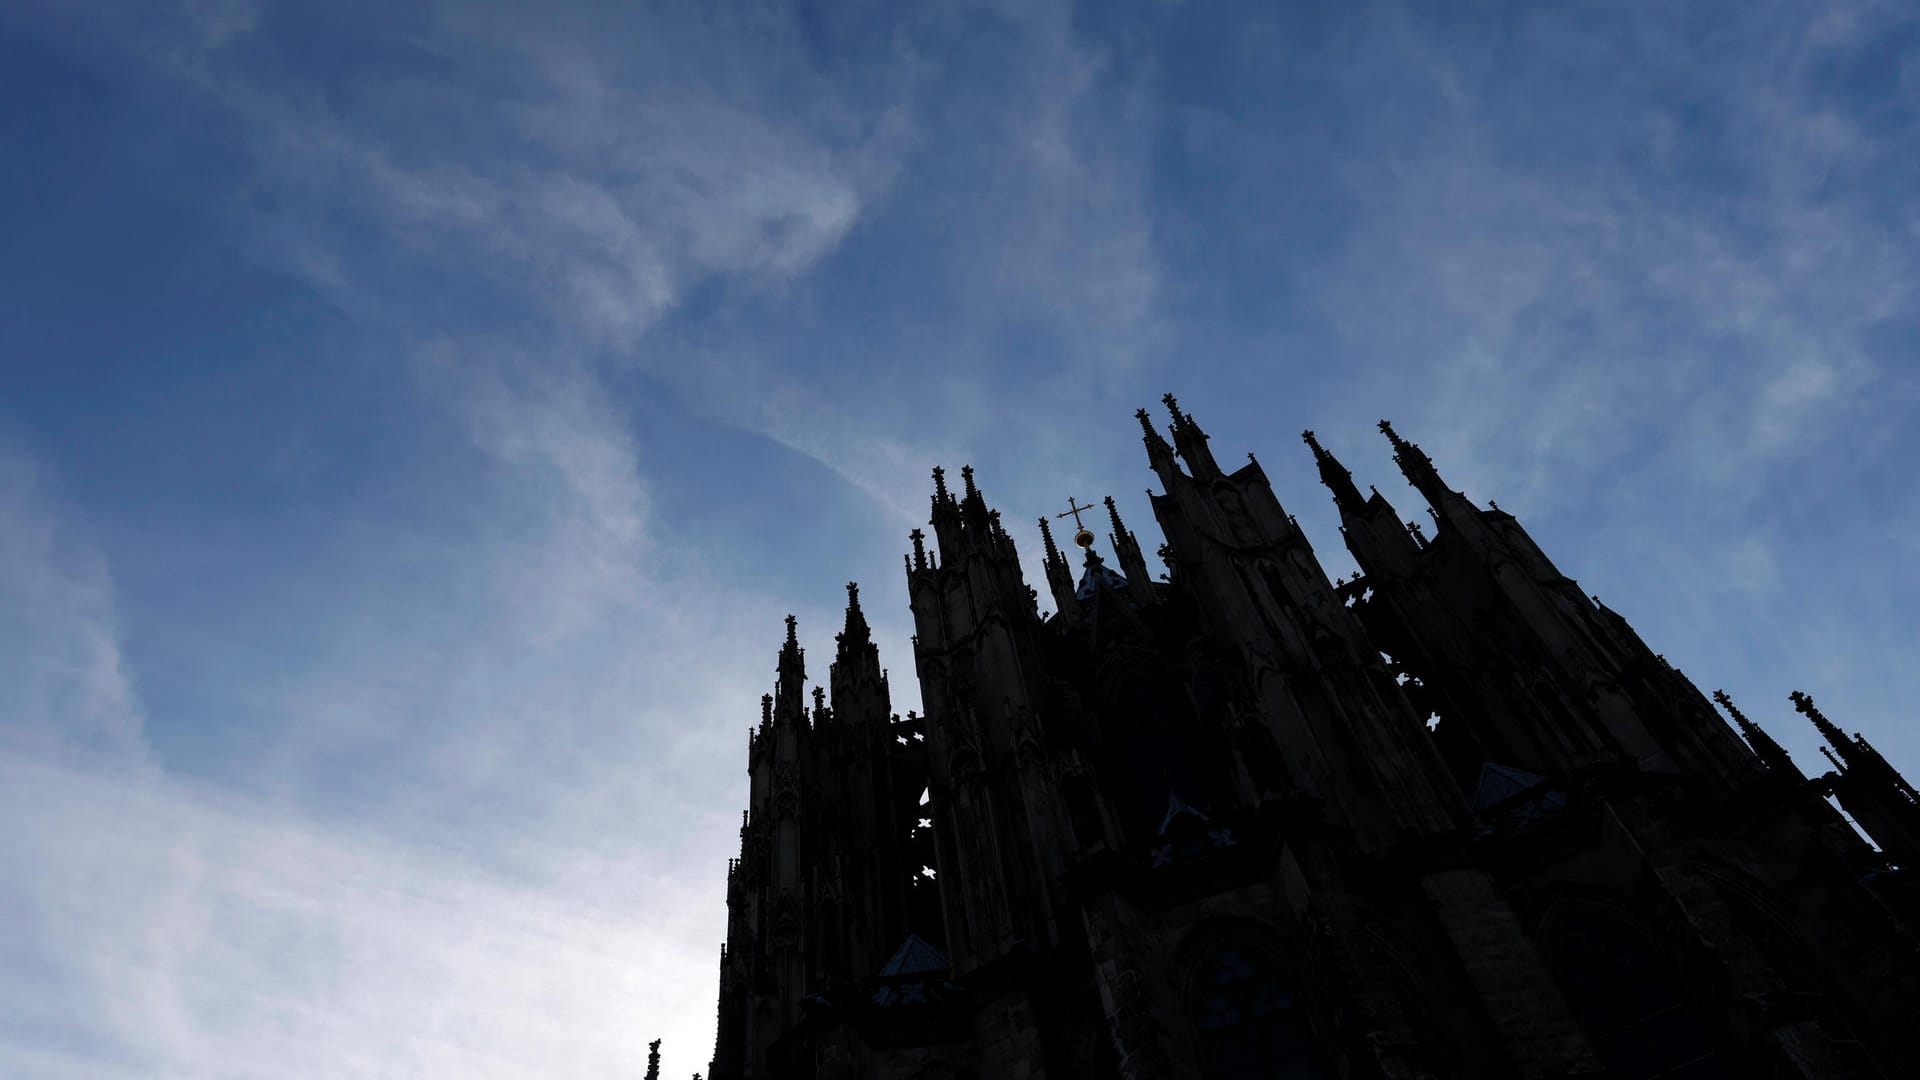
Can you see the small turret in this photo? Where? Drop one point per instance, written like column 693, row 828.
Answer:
column 653, row 1060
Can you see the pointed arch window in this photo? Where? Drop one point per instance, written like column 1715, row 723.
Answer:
column 1249, row 1020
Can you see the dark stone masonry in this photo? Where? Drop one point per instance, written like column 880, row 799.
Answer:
column 1451, row 817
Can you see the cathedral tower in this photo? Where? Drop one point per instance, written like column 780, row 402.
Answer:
column 1450, row 817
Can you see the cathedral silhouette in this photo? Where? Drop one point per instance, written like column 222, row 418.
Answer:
column 1448, row 818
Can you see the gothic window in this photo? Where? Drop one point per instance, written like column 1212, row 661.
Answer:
column 1627, row 1004
column 1250, row 1023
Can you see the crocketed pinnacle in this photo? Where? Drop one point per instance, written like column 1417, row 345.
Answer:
column 1334, row 475
column 1803, row 704
column 792, row 670
column 1046, row 537
column 1770, row 752
column 1158, row 448
column 1747, row 727
column 856, row 630
column 1113, row 514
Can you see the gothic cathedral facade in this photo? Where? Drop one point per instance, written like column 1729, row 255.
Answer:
column 1449, row 818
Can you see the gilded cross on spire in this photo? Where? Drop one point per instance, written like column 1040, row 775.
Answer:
column 1084, row 537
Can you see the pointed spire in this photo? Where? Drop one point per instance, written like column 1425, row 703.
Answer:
column 766, row 711
column 1418, row 468
column 856, row 631
column 1059, row 574
column 1046, row 537
column 1747, row 727
column 858, row 681
column 1400, row 445
column 973, row 509
column 792, row 671
column 1158, row 450
column 919, row 539
column 1133, row 563
column 1191, row 441
column 940, row 486
column 653, row 1060
column 1769, row 751
column 1336, row 476
column 1803, row 704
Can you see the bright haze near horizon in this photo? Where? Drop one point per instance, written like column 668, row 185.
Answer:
column 416, row 419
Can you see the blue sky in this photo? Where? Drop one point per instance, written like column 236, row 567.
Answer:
column 416, row 418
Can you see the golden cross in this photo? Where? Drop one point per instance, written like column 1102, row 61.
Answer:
column 1075, row 511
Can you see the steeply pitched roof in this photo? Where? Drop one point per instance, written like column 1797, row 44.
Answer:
column 916, row 957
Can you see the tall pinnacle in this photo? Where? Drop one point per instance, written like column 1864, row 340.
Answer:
column 1046, row 537
column 1770, row 752
column 1133, row 564
column 1190, row 441
column 856, row 631
column 1418, row 468
column 1059, row 575
column 1335, row 475
column 653, row 1060
column 792, row 671
column 1158, row 450
column 1803, row 704
column 1113, row 515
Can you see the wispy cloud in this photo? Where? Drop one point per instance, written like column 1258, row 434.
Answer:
column 157, row 931
column 461, row 799
column 64, row 679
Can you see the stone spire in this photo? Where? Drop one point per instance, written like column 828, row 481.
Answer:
column 789, row 694
column 1158, row 449
column 1416, row 466
column 1059, row 574
column 1770, row 752
column 1133, row 564
column 858, row 682
column 1803, row 704
column 1336, row 476
column 1191, row 442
